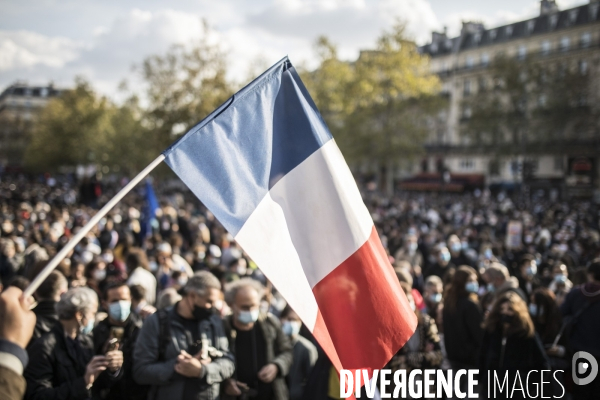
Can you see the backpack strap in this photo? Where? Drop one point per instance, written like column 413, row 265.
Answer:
column 163, row 333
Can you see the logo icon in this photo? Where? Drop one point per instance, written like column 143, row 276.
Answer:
column 585, row 368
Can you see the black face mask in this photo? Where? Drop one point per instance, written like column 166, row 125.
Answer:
column 201, row 313
column 507, row 319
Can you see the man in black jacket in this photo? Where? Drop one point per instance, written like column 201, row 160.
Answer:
column 195, row 358
column 62, row 362
column 48, row 295
column 121, row 326
column 263, row 351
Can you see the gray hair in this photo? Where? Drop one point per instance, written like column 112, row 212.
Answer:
column 232, row 289
column 200, row 282
column 81, row 299
column 497, row 270
column 167, row 298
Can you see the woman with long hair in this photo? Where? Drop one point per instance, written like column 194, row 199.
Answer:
column 462, row 319
column 510, row 345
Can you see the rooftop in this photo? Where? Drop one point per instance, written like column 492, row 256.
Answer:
column 474, row 34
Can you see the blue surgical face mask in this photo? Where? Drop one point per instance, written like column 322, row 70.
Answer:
column 413, row 246
column 488, row 254
column 435, row 298
column 446, row 256
column 472, row 287
column 456, row 247
column 465, row 245
column 490, row 287
column 247, row 317
column 87, row 329
column 533, row 310
column 291, row 328
column 560, row 278
column 119, row 310
column 531, row 270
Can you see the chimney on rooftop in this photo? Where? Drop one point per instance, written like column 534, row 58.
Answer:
column 548, row 7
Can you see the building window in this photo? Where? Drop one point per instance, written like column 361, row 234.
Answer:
column 530, row 26
column 573, row 16
column 477, row 37
column 482, row 84
column 565, row 43
column 494, row 167
column 467, row 87
column 448, row 43
column 586, row 40
column 467, row 113
column 433, row 47
column 470, row 62
column 485, row 59
column 44, row 92
column 559, row 163
column 583, row 67
column 509, row 31
column 467, row 164
column 553, row 21
column 522, row 52
column 493, row 34
column 545, row 48
column 594, row 10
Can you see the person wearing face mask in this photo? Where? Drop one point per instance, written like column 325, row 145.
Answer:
column 95, row 274
column 510, row 345
column 305, row 353
column 458, row 255
column 117, row 302
column 560, row 285
column 182, row 351
column 499, row 281
column 462, row 318
column 442, row 264
column 262, row 350
column 432, row 296
column 528, row 278
column 62, row 364
column 410, row 251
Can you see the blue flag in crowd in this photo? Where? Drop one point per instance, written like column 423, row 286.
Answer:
column 149, row 211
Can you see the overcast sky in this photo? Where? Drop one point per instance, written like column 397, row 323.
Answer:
column 55, row 40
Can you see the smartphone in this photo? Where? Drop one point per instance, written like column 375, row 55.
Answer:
column 113, row 344
column 116, row 333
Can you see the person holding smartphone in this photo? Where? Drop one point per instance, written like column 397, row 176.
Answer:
column 116, row 335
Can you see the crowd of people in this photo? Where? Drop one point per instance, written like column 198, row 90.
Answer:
column 170, row 307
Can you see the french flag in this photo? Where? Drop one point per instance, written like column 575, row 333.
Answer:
column 266, row 166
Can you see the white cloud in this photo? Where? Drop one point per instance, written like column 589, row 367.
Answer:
column 352, row 24
column 23, row 49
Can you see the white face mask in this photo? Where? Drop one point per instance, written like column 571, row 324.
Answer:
column 99, row 274
column 291, row 328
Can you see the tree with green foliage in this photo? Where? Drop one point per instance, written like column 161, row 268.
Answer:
column 182, row 87
column 528, row 107
column 379, row 106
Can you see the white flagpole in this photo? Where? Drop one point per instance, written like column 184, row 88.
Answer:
column 41, row 277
